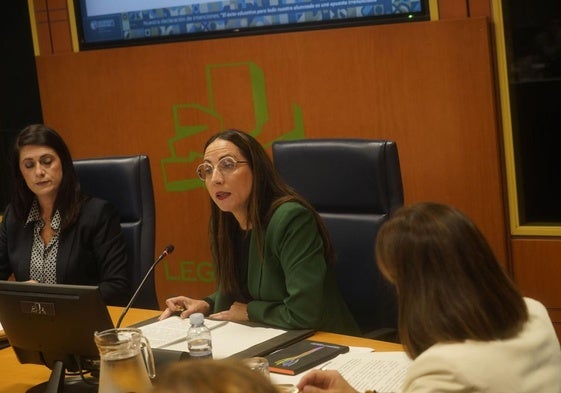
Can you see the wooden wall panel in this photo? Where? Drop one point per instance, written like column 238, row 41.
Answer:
column 428, row 85
column 53, row 26
column 453, row 9
column 537, row 266
column 60, row 31
column 43, row 27
column 479, row 8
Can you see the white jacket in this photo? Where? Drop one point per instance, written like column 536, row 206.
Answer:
column 527, row 363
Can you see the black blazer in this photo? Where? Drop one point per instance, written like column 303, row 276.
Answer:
column 91, row 252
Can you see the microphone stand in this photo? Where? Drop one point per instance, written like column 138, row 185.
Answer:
column 168, row 250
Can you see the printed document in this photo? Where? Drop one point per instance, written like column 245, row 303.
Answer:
column 228, row 338
column 364, row 370
column 380, row 371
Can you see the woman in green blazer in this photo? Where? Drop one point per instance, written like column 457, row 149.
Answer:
column 271, row 250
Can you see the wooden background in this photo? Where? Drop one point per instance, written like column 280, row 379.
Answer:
column 430, row 86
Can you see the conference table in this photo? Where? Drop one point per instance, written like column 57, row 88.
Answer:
column 18, row 378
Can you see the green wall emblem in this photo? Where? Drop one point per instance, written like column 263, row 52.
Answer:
column 182, row 160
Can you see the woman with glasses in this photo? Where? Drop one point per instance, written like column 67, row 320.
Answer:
column 271, row 251
column 51, row 232
column 461, row 319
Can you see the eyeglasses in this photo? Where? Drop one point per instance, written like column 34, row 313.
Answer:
column 225, row 166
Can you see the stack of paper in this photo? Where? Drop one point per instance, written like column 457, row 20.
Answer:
column 379, row 371
column 363, row 369
column 171, row 331
column 228, row 338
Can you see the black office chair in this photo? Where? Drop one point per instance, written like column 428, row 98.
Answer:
column 126, row 182
column 355, row 185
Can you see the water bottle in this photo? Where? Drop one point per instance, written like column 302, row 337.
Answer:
column 198, row 338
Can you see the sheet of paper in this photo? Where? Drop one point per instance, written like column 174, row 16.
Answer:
column 170, row 330
column 228, row 338
column 383, row 371
column 380, row 371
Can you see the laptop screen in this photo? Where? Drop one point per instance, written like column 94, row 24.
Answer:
column 48, row 323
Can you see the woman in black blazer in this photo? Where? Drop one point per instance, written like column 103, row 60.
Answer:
column 51, row 232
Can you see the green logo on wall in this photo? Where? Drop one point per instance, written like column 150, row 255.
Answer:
column 192, row 119
column 190, row 271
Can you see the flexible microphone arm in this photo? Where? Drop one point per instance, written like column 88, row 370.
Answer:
column 168, row 250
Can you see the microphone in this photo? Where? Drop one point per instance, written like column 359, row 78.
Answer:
column 168, row 250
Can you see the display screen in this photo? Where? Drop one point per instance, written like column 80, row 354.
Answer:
column 105, row 23
column 49, row 323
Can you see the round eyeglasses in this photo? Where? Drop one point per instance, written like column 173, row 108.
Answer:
column 225, row 166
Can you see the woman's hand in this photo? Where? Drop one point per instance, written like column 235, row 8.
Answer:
column 185, row 306
column 319, row 381
column 237, row 312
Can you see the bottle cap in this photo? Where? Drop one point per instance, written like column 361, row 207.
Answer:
column 196, row 318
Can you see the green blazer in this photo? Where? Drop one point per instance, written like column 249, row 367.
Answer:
column 293, row 288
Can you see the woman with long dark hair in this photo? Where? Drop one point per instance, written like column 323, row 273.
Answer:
column 461, row 319
column 51, row 232
column 272, row 253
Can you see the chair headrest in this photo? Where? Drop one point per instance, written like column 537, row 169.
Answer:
column 324, row 171
column 117, row 180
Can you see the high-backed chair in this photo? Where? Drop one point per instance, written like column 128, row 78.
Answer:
column 355, row 185
column 126, row 182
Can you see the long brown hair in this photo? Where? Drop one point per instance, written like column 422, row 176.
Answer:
column 69, row 199
column 450, row 285
column 268, row 192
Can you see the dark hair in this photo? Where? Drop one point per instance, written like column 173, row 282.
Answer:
column 212, row 376
column 450, row 286
column 268, row 192
column 69, row 199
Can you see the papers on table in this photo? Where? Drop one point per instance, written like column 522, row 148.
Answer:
column 361, row 367
column 171, row 330
column 364, row 370
column 228, row 338
column 382, row 371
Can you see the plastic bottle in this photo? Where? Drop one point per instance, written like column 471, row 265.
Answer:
column 199, row 341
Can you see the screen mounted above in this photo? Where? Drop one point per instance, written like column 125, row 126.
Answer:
column 107, row 23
